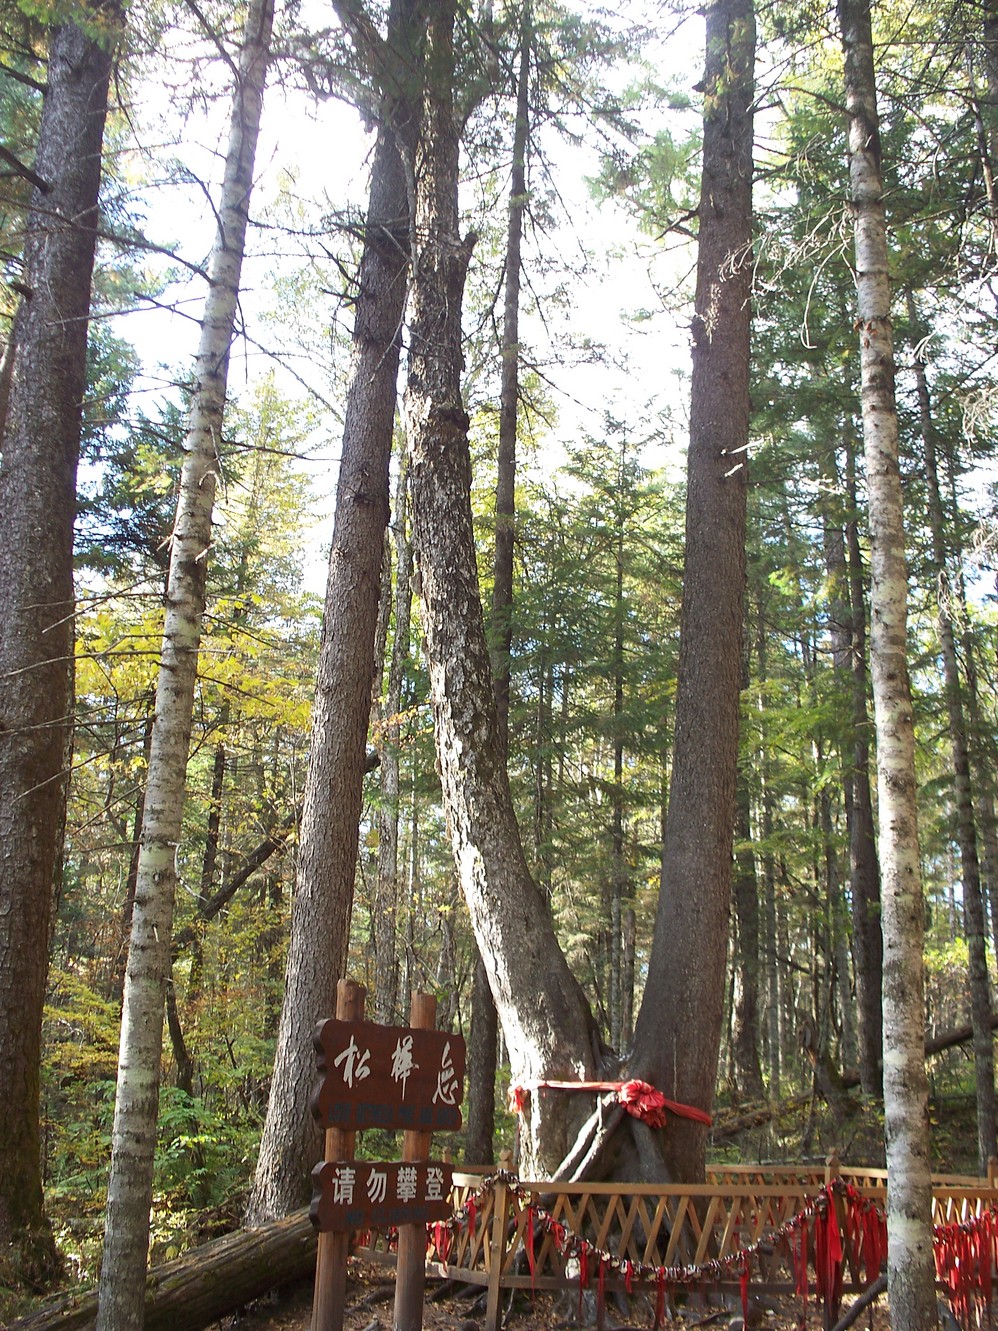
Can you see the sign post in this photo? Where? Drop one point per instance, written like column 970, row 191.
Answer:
column 408, row 1077
column 410, row 1267
column 329, row 1298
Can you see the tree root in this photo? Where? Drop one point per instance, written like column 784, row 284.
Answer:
column 593, row 1137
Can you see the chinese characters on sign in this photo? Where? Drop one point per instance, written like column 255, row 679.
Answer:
column 384, row 1077
column 387, row 1077
column 357, row 1194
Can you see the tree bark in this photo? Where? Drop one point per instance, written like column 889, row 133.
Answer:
column 864, row 867
column 386, row 967
column 548, row 1026
column 484, row 1018
column 745, row 1042
column 327, row 855
column 678, row 1030
column 198, row 1289
column 126, row 1232
column 483, row 1040
column 973, row 898
column 910, row 1272
column 40, row 450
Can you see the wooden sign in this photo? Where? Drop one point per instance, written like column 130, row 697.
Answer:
column 364, row 1194
column 387, row 1077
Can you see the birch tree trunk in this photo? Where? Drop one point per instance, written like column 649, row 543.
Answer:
column 678, row 1031
column 40, row 449
column 126, row 1233
column 327, row 855
column 910, row 1271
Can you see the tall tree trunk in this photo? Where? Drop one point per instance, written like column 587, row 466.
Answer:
column 509, row 389
column 910, row 1272
column 126, row 1231
column 678, row 1029
column 772, row 1032
column 745, row 1036
column 483, row 1039
column 484, row 1018
column 847, row 632
column 39, row 451
column 327, row 856
column 864, row 866
column 973, row 900
column 386, row 969
column 618, row 871
column 548, row 1026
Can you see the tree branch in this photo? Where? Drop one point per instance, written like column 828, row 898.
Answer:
column 24, row 171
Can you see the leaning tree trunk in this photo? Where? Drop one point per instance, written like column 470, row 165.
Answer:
column 678, row 1030
column 327, row 856
column 129, row 1198
column 910, row 1270
column 548, row 1026
column 40, row 449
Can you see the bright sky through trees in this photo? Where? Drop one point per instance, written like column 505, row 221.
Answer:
column 605, row 345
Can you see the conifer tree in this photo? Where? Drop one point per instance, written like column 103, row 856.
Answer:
column 45, row 373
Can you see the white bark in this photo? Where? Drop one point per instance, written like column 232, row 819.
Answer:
column 126, row 1235
column 909, row 1186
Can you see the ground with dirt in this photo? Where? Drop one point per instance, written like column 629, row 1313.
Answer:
column 371, row 1292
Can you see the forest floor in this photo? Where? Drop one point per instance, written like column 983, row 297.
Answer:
column 371, row 1292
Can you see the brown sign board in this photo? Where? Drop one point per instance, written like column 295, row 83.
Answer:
column 366, row 1194
column 387, row 1077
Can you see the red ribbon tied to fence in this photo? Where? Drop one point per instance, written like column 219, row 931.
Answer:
column 641, row 1100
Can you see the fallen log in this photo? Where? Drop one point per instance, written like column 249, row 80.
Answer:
column 194, row 1290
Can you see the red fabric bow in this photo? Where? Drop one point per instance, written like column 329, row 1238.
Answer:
column 640, row 1099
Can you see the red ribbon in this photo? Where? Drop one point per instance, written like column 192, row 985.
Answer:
column 743, row 1281
column 799, row 1255
column 641, row 1100
column 660, row 1298
column 441, row 1241
column 964, row 1254
column 583, row 1271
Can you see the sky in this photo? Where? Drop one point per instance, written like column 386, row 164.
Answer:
column 312, row 163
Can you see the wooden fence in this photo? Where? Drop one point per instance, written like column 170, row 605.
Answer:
column 742, row 1223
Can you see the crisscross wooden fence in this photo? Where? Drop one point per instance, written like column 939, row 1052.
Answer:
column 744, row 1222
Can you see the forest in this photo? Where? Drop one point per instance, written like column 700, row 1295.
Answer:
column 496, row 500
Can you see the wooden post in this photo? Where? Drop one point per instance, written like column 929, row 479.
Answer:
column 497, row 1246
column 329, row 1299
column 410, row 1270
column 833, row 1167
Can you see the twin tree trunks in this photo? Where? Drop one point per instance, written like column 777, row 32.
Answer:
column 389, row 1077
